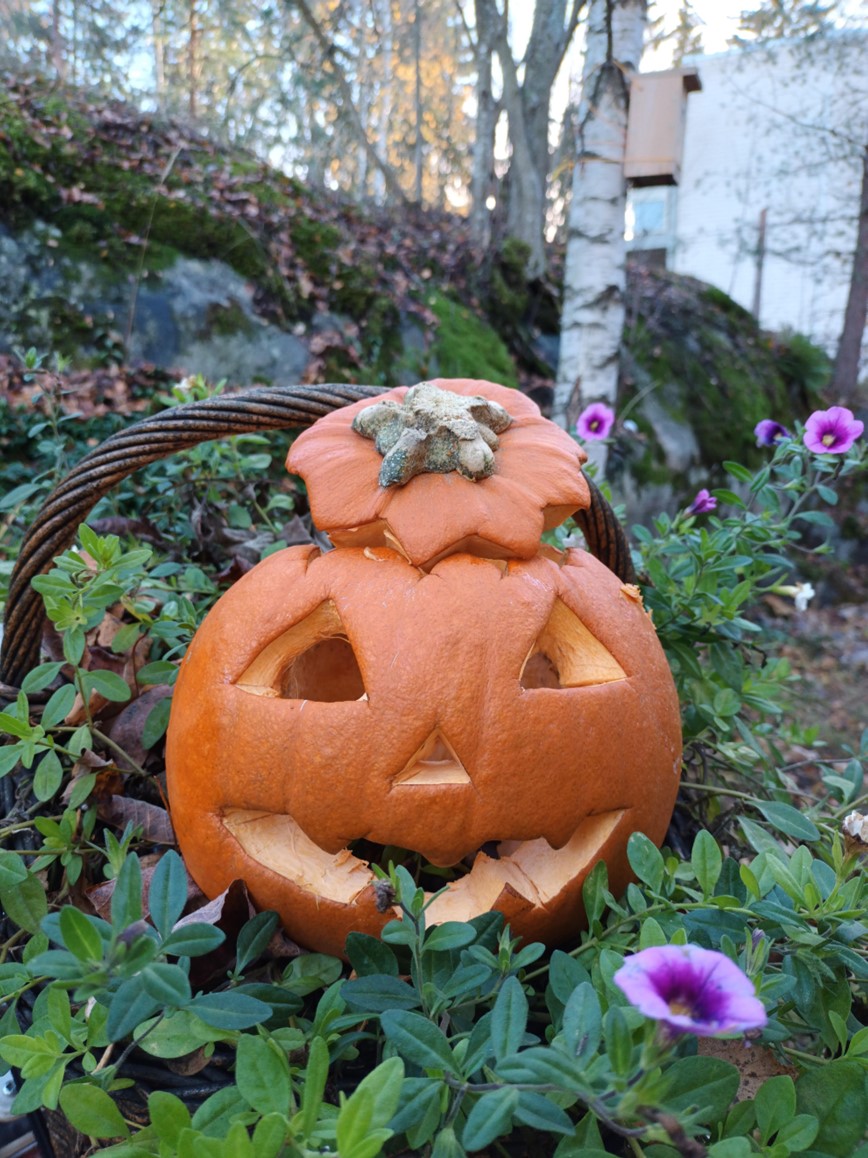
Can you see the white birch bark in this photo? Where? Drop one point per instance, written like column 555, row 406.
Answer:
column 594, row 276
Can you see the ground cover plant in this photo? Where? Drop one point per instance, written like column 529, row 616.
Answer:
column 717, row 1007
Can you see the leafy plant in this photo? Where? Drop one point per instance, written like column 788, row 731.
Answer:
column 448, row 1039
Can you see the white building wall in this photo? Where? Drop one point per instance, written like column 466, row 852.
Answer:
column 779, row 129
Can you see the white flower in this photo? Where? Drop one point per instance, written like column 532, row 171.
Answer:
column 803, row 595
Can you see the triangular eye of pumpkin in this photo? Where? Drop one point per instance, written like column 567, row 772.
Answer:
column 313, row 660
column 567, row 655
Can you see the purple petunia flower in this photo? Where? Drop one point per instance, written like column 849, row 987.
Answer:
column 691, row 990
column 702, row 504
column 595, row 421
column 832, row 431
column 768, row 432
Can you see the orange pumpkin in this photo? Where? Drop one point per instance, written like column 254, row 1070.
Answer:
column 538, row 483
column 516, row 715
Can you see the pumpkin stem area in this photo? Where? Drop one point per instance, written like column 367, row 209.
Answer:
column 433, row 431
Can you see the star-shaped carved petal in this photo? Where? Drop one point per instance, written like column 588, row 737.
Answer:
column 433, row 431
column 537, row 482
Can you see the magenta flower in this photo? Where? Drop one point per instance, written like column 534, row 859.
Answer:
column 768, row 432
column 691, row 990
column 832, row 431
column 702, row 504
column 595, row 421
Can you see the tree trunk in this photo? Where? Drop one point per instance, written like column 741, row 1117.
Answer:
column 384, row 19
column 348, row 106
column 192, row 59
column 527, row 107
column 417, row 62
column 845, row 375
column 594, row 277
column 159, row 43
column 486, row 119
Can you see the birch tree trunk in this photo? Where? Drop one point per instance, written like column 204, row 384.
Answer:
column 845, row 374
column 592, row 321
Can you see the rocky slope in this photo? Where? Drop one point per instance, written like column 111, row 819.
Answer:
column 130, row 241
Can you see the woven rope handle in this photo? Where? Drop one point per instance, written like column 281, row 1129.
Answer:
column 262, row 408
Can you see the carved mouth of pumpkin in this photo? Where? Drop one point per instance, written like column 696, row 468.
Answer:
column 530, row 869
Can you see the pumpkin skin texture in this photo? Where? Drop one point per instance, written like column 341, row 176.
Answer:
column 349, row 695
column 537, row 484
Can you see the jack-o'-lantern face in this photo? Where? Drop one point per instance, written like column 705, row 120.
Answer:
column 517, row 716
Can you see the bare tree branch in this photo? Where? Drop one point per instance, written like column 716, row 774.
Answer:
column 348, row 103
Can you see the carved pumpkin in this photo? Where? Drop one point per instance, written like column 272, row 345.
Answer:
column 517, row 715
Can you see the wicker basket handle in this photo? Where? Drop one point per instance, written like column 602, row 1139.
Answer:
column 179, row 428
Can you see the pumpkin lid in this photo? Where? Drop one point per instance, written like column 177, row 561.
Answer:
column 535, row 481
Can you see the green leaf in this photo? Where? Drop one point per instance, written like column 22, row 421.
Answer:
column 380, row 992
column 161, row 671
column 40, row 677
column 92, row 1111
column 788, row 820
column 128, row 1008
column 269, row 1136
column 79, row 935
column 706, row 860
column 217, row 1113
column 619, row 1041
column 707, row 1083
column 449, row 935
column 230, row 1010
column 58, row 707
column 490, row 1117
column 168, row 1114
column 48, row 776
column 542, row 1065
column 167, row 894
column 759, row 839
column 25, row 903
column 738, row 471
column 179, row 1033
column 360, row 1125
column 13, row 870
column 446, row 1145
column 157, row 722
column 594, row 892
column 368, row 956
column 262, row 1075
column 315, row 1077
column 253, row 937
column 509, row 1019
column 419, row 1110
column 775, row 1104
column 583, row 1022
column 418, row 1040
column 107, row 684
column 646, row 860
column 799, row 1133
column 126, row 900
column 540, row 1113
column 193, row 940
column 836, row 1094
column 731, row 1148
column 167, row 984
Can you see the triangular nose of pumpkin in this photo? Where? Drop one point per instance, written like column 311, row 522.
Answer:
column 434, row 763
